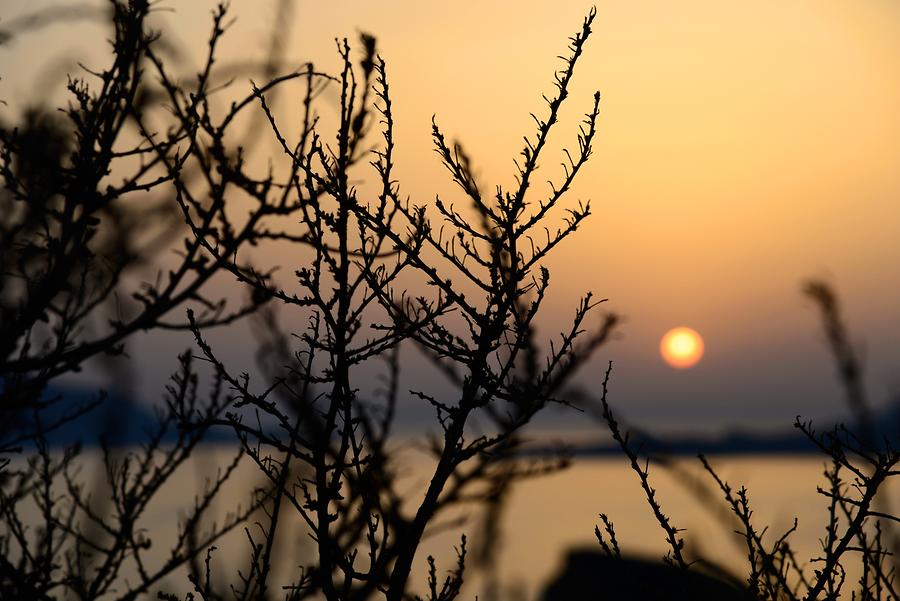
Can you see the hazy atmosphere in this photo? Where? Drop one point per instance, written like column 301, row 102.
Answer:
column 742, row 148
column 743, row 238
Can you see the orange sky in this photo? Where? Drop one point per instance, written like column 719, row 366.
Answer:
column 742, row 147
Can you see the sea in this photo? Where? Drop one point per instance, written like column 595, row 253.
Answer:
column 543, row 520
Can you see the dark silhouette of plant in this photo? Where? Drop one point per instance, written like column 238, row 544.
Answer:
column 847, row 360
column 89, row 202
column 144, row 160
column 83, row 545
column 859, row 516
column 326, row 449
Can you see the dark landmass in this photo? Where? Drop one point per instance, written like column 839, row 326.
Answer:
column 736, row 441
column 117, row 421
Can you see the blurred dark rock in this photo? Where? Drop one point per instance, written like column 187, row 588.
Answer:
column 594, row 576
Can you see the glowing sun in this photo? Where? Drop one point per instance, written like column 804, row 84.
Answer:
column 681, row 347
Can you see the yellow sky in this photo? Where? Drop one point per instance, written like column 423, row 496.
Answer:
column 742, row 147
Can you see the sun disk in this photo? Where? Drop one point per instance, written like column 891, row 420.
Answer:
column 681, row 347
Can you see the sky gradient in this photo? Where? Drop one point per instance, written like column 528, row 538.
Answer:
column 742, row 148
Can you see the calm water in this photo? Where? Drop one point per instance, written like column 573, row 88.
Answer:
column 549, row 515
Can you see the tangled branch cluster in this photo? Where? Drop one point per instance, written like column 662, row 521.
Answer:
column 144, row 160
column 76, row 227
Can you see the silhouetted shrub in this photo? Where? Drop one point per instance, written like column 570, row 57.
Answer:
column 860, row 525
column 81, row 197
column 92, row 195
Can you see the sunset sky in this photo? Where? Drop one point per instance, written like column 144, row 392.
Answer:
column 742, row 148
